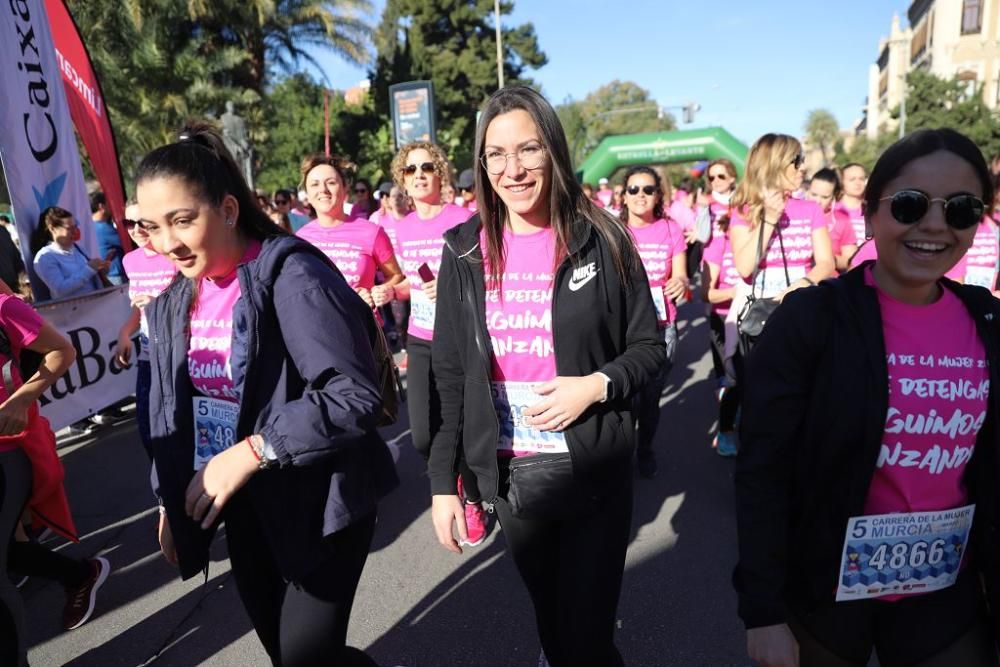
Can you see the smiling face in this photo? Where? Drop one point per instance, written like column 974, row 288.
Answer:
column 326, row 190
column 641, row 205
column 135, row 231
column 912, row 258
column 65, row 233
column 191, row 232
column 422, row 186
column 524, row 191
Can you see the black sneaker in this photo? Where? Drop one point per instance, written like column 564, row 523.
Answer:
column 80, row 602
column 647, row 465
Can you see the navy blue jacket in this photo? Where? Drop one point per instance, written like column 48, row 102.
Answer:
column 302, row 363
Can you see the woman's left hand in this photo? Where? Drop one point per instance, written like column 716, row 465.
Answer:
column 366, row 296
column 798, row 284
column 213, row 486
column 675, row 288
column 14, row 416
column 565, row 400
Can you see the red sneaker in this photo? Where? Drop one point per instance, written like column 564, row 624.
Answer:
column 475, row 524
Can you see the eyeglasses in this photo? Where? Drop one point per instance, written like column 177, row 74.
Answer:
column 280, row 202
column 130, row 224
column 646, row 189
column 721, row 177
column 799, row 161
column 360, row 191
column 425, row 167
column 530, row 157
column 961, row 211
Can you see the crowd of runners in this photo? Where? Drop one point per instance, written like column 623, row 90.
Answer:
column 854, row 334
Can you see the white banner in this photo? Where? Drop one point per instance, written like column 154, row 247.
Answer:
column 91, row 322
column 37, row 144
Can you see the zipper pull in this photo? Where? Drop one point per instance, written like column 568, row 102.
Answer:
column 489, row 507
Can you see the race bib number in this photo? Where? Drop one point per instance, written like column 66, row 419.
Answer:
column 660, row 302
column 771, row 281
column 214, row 428
column 421, row 310
column 511, row 399
column 894, row 554
column 984, row 276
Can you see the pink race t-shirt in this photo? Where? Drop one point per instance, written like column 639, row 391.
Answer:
column 841, row 230
column 149, row 273
column 519, row 322
column 22, row 325
column 420, row 242
column 719, row 252
column 356, row 246
column 211, row 342
column 868, row 251
column 797, row 223
column 856, row 216
column 983, row 257
column 682, row 214
column 658, row 243
column 938, row 389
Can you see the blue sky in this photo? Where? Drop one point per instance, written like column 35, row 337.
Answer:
column 754, row 65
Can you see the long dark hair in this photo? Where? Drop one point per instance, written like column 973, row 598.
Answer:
column 915, row 146
column 657, row 207
column 567, row 202
column 200, row 158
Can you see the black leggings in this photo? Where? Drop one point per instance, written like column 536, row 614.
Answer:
column 648, row 398
column 940, row 629
column 730, row 403
column 717, row 325
column 573, row 571
column 15, row 486
column 301, row 623
column 424, row 407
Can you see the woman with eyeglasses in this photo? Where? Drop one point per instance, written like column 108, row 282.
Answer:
column 780, row 243
column 264, row 404
column 148, row 273
column 866, row 485
column 421, row 169
column 357, row 247
column 662, row 249
column 59, row 262
column 364, row 199
column 545, row 331
column 824, row 189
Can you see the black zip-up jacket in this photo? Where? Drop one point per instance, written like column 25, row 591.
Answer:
column 598, row 324
column 814, row 410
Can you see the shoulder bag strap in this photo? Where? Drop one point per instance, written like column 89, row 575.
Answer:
column 756, row 266
column 784, row 260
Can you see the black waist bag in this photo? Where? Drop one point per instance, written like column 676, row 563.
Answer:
column 543, row 487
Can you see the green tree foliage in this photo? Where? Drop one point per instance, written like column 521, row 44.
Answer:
column 822, row 132
column 451, row 43
column 620, row 107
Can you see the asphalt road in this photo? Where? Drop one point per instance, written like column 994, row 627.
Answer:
column 417, row 605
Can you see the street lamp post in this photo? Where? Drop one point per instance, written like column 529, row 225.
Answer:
column 496, row 19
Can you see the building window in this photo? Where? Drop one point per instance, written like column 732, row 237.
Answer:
column 972, row 16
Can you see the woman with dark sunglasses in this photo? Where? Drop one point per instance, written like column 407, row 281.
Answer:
column 364, row 199
column 663, row 251
column 866, row 485
column 421, row 169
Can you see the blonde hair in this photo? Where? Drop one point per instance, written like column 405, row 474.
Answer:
column 769, row 158
column 440, row 160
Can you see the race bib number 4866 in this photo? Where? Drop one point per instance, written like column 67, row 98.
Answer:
column 894, row 554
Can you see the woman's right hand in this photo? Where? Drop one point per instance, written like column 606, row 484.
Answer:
column 14, row 415
column 447, row 512
column 774, row 204
column 773, row 646
column 123, row 352
column 98, row 265
column 167, row 541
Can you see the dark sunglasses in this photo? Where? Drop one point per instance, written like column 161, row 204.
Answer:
column 961, row 211
column 280, row 202
column 360, row 190
column 798, row 161
column 130, row 224
column 721, row 177
column 634, row 189
column 426, row 167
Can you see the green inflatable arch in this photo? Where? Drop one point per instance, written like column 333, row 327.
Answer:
column 710, row 143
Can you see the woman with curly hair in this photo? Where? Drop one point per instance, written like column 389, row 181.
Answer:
column 422, row 170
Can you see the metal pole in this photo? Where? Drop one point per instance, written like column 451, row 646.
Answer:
column 496, row 13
